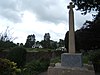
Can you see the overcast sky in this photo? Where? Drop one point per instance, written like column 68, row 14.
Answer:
column 26, row 17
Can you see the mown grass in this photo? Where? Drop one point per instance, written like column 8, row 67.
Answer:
column 38, row 49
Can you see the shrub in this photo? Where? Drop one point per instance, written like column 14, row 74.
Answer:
column 18, row 55
column 55, row 60
column 94, row 56
column 8, row 68
column 36, row 66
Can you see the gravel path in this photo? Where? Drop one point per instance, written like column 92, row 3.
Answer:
column 44, row 73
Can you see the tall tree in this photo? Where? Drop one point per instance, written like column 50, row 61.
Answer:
column 47, row 37
column 30, row 41
column 46, row 42
column 61, row 42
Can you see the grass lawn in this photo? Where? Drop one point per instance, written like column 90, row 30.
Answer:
column 38, row 49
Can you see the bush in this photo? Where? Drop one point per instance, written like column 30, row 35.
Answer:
column 18, row 55
column 56, row 60
column 94, row 56
column 8, row 68
column 36, row 66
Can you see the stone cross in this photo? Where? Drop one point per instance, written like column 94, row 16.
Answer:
column 71, row 29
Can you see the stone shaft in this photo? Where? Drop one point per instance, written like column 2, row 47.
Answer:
column 71, row 30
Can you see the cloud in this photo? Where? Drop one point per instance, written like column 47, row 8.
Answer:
column 30, row 25
column 47, row 10
column 9, row 10
column 54, row 11
column 38, row 17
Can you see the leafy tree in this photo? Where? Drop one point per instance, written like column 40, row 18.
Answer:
column 66, row 40
column 61, row 43
column 6, row 40
column 7, row 35
column 47, row 37
column 18, row 55
column 30, row 41
column 46, row 42
column 53, row 44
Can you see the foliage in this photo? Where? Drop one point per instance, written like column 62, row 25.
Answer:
column 8, row 68
column 61, row 43
column 66, row 40
column 6, row 40
column 89, row 36
column 36, row 66
column 6, row 36
column 45, row 44
column 55, row 60
column 87, row 5
column 49, row 44
column 6, row 45
column 85, row 59
column 30, row 41
column 18, row 55
column 47, row 37
column 94, row 56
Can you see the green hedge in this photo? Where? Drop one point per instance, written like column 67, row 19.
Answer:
column 18, row 55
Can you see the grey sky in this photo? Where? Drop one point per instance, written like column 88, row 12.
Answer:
column 38, row 17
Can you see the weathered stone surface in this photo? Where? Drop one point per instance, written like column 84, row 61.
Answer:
column 59, row 70
column 71, row 60
column 71, row 29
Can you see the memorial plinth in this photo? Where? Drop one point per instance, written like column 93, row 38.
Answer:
column 71, row 60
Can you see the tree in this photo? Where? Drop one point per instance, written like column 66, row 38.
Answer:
column 6, row 35
column 53, row 44
column 46, row 42
column 8, row 67
column 18, row 55
column 47, row 37
column 66, row 40
column 30, row 41
column 88, row 36
column 61, row 42
column 6, row 39
column 87, row 5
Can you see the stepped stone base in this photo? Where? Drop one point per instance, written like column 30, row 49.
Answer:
column 60, row 70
